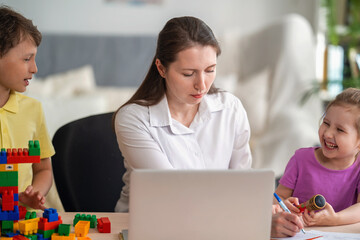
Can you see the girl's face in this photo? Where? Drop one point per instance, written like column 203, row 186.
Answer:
column 190, row 77
column 338, row 133
column 17, row 66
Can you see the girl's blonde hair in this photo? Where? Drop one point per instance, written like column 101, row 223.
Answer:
column 348, row 97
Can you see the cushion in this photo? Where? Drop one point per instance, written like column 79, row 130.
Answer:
column 66, row 84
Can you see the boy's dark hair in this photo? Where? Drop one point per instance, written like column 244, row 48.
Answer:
column 14, row 28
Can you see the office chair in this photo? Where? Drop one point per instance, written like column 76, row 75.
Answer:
column 88, row 165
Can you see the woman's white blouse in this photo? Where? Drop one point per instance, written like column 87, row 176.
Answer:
column 218, row 138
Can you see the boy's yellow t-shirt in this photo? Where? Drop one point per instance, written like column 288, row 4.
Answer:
column 22, row 119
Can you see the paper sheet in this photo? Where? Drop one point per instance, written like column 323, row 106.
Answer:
column 319, row 235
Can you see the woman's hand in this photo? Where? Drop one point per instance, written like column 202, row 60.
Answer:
column 285, row 224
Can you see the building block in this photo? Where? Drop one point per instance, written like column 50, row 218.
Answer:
column 11, row 234
column 32, row 237
column 45, row 225
column 28, row 227
column 82, row 228
column 64, row 229
column 104, row 225
column 9, row 167
column 7, row 226
column 84, row 217
column 8, row 179
column 19, row 237
column 83, row 238
column 21, row 156
column 34, row 148
column 30, row 215
column 22, row 212
column 51, row 214
column 7, row 201
column 14, row 189
column 3, row 156
column 40, row 236
column 56, row 236
column 46, row 234
column 9, row 215
column 16, row 227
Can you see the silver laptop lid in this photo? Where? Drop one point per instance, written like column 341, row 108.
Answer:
column 200, row 204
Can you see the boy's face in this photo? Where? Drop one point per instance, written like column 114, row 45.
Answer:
column 18, row 66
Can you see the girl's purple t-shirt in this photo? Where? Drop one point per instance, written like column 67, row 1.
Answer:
column 307, row 177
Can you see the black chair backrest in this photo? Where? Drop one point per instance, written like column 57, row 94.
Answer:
column 88, row 165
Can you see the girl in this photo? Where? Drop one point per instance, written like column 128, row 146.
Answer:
column 332, row 170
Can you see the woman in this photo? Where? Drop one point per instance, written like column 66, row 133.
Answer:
column 177, row 119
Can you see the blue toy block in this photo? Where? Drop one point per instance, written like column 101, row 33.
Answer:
column 40, row 236
column 3, row 158
column 11, row 234
column 51, row 214
column 16, row 197
column 10, row 215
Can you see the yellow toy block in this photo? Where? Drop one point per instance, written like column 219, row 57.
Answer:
column 82, row 228
column 6, row 238
column 16, row 227
column 28, row 227
column 56, row 236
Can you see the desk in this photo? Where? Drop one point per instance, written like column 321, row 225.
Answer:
column 119, row 221
column 351, row 228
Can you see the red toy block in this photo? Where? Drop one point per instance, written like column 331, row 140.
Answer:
column 21, row 156
column 45, row 225
column 19, row 237
column 8, row 201
column 14, row 189
column 104, row 225
column 22, row 212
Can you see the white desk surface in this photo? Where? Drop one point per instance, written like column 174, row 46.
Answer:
column 119, row 221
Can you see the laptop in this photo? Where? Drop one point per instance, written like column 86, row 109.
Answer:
column 200, row 204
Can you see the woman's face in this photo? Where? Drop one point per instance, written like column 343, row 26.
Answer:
column 190, row 77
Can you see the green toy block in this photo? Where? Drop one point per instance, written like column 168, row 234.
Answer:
column 7, row 226
column 47, row 233
column 30, row 215
column 64, row 229
column 84, row 217
column 9, row 179
column 31, row 237
column 34, row 148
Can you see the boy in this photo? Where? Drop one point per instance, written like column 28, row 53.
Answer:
column 21, row 117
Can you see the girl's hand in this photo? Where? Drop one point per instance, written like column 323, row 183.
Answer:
column 31, row 198
column 291, row 204
column 325, row 217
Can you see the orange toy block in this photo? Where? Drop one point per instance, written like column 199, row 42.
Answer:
column 56, row 236
column 82, row 228
column 83, row 238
